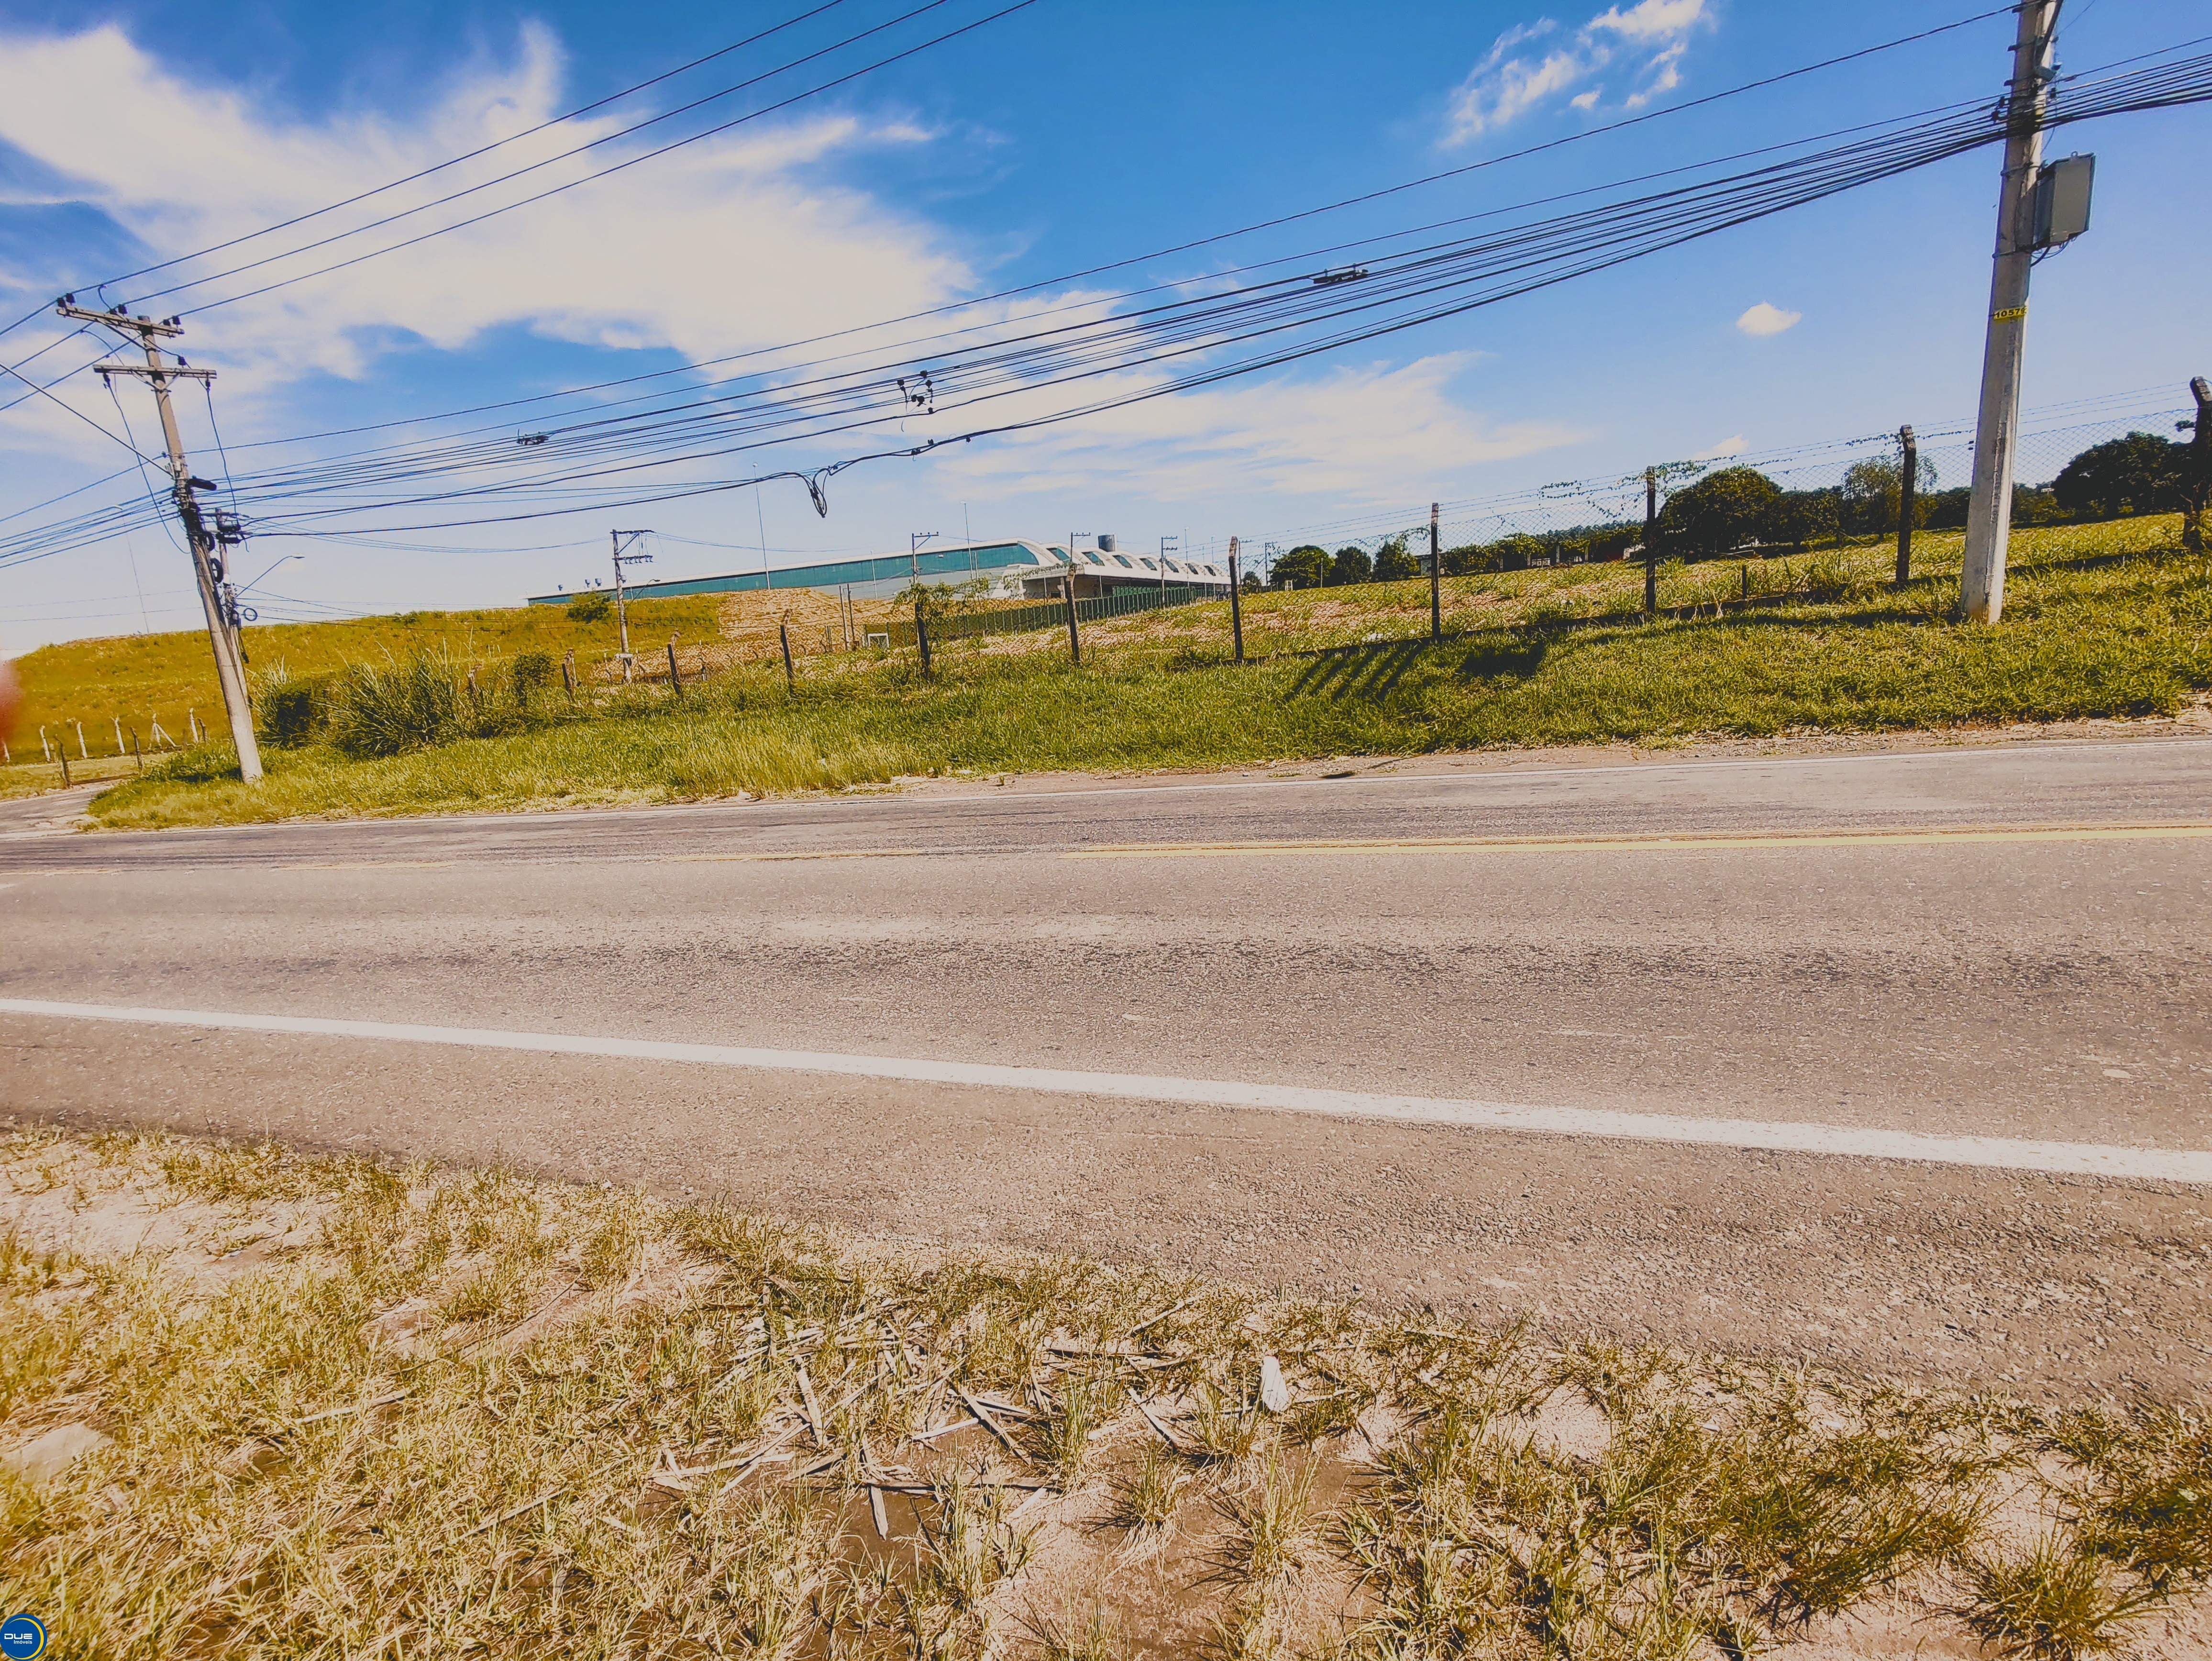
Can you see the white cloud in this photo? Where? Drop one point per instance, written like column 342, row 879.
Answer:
column 734, row 242
column 1765, row 320
column 1732, row 445
column 1647, row 41
column 1652, row 20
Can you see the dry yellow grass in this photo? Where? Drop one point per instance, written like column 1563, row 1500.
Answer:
column 352, row 1410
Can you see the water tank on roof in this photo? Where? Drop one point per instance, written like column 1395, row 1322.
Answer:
column 1106, row 543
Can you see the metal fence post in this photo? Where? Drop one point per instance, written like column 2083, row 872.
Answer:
column 1074, row 639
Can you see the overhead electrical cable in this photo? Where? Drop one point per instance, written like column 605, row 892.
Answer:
column 814, row 91
column 1569, row 247
column 1286, row 319
column 481, row 149
column 1209, row 240
column 565, row 155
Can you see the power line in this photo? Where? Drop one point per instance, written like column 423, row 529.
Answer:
column 481, row 149
column 493, row 213
column 1210, row 241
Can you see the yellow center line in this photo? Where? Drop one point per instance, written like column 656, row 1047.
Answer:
column 1690, row 841
column 800, row 854
column 370, row 865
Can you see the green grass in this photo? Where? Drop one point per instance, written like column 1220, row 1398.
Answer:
column 2103, row 621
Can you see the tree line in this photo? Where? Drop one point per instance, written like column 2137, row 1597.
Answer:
column 1737, row 507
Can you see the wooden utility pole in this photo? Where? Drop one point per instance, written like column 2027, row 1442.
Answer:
column 790, row 675
column 1074, row 640
column 1996, row 426
column 207, row 571
column 921, row 633
column 1436, row 573
column 1651, row 541
column 1908, row 489
column 1235, row 602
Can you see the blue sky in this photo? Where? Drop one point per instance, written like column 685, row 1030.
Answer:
column 1070, row 134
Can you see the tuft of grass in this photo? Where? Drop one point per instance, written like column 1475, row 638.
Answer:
column 2053, row 1602
column 1270, row 1520
column 1083, row 1404
column 1146, row 1500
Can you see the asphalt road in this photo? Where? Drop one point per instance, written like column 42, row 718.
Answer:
column 2007, row 944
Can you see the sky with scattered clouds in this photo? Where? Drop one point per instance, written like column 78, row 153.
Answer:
column 1022, row 155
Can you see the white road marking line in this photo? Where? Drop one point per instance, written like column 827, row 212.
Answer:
column 1681, row 842
column 1986, row 1153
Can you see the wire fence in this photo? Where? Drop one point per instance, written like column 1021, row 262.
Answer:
column 1825, row 494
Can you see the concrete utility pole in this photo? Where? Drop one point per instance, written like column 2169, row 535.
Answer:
column 1997, row 428
column 1166, row 542
column 1436, row 573
column 207, row 571
column 622, row 598
column 914, row 541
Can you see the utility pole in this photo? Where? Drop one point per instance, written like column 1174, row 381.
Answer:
column 206, row 570
column 1651, row 541
column 1908, row 489
column 620, row 539
column 914, row 541
column 1997, row 427
column 1235, row 602
column 1166, row 544
column 1436, row 573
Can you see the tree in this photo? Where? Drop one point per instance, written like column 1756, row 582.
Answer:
column 588, row 607
column 1305, row 566
column 1873, row 491
column 1350, row 565
column 2141, row 473
column 1721, row 511
column 1396, row 563
column 1794, row 518
column 1472, row 560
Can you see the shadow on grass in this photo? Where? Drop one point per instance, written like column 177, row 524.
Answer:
column 1369, row 671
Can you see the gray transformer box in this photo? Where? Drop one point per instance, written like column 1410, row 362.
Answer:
column 2061, row 200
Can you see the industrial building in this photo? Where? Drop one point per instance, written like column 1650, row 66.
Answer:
column 1032, row 568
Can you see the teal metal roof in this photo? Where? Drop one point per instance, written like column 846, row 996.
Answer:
column 950, row 564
